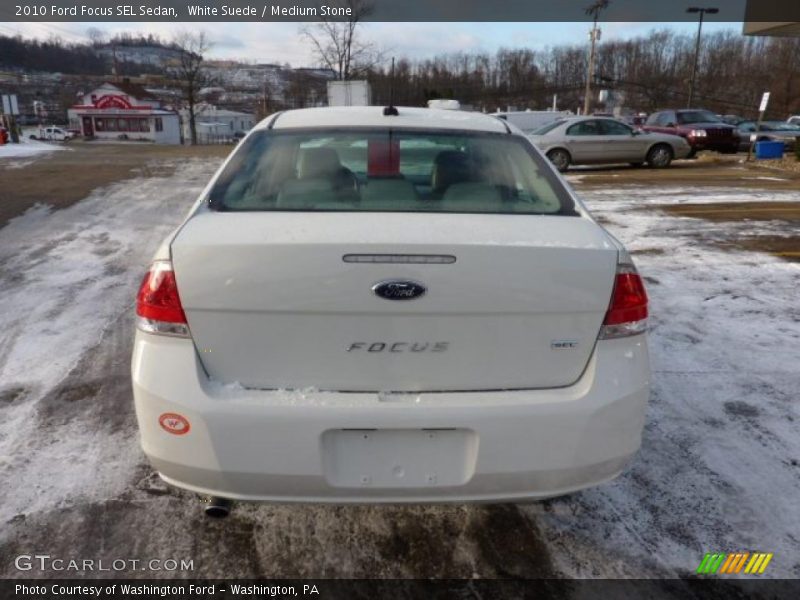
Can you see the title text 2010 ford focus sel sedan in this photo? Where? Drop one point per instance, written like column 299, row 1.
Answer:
column 389, row 305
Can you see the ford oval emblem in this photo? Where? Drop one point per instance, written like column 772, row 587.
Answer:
column 399, row 289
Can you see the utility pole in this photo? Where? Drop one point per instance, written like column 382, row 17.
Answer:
column 264, row 98
column 694, row 9
column 594, row 37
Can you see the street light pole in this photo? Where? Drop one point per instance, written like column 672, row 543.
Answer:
column 587, row 95
column 594, row 35
column 702, row 11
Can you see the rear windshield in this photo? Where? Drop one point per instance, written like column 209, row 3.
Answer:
column 408, row 171
column 687, row 117
column 546, row 128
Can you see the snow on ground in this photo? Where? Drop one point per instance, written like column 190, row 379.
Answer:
column 26, row 149
column 632, row 196
column 65, row 276
column 719, row 468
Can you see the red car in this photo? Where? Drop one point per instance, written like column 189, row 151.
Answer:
column 701, row 128
column 3, row 136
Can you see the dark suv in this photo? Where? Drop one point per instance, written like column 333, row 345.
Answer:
column 701, row 128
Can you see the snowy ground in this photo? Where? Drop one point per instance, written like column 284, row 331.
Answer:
column 718, row 470
column 65, row 277
column 17, row 156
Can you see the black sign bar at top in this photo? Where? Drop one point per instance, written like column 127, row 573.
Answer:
column 392, row 10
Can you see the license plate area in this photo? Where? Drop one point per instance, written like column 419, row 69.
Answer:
column 399, row 458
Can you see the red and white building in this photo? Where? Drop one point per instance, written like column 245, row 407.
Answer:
column 124, row 110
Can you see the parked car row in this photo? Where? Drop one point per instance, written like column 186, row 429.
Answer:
column 599, row 140
column 738, row 120
column 665, row 135
column 702, row 129
column 768, row 131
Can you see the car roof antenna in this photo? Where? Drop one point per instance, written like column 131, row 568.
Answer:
column 391, row 110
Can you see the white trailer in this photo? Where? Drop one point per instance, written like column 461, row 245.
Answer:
column 444, row 104
column 349, row 93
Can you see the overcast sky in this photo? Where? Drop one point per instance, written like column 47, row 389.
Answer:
column 281, row 42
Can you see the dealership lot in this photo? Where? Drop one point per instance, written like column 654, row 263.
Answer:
column 719, row 470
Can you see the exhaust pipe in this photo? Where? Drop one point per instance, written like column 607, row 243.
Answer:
column 217, row 508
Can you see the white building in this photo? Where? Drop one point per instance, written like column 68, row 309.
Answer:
column 217, row 124
column 123, row 110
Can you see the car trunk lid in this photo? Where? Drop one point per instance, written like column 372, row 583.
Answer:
column 273, row 303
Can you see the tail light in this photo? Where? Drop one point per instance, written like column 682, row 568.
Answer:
column 158, row 306
column 627, row 313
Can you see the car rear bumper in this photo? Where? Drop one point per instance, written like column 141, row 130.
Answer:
column 337, row 447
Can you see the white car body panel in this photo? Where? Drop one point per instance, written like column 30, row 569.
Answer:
column 259, row 288
column 506, row 413
column 270, row 445
column 372, row 116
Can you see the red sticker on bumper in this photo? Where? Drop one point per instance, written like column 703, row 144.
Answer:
column 174, row 423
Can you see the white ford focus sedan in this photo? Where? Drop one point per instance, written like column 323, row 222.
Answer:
column 389, row 305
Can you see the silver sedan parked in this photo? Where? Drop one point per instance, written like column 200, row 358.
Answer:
column 599, row 140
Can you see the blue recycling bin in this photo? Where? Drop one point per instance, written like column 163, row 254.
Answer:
column 769, row 149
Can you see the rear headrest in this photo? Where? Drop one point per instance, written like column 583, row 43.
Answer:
column 387, row 192
column 318, row 162
column 299, row 194
column 473, row 197
column 449, row 167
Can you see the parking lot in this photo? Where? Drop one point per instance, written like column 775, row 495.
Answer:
column 717, row 241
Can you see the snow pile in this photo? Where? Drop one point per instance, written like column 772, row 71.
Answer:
column 25, row 149
column 636, row 197
column 66, row 276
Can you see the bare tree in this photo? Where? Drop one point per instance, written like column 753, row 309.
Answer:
column 192, row 46
column 96, row 36
column 337, row 44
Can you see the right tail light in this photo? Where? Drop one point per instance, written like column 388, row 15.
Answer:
column 627, row 312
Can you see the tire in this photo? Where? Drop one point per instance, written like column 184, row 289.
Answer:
column 659, row 156
column 560, row 158
column 692, row 154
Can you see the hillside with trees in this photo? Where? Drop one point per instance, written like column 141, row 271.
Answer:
column 644, row 73
column 51, row 55
column 650, row 72
column 97, row 57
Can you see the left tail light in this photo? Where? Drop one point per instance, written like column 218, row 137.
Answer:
column 158, row 305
